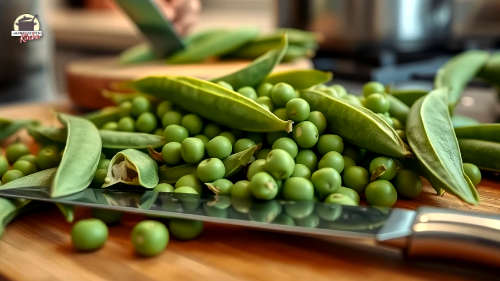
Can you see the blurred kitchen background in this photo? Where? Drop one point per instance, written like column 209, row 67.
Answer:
column 397, row 42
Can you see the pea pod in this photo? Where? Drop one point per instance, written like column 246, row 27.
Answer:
column 107, row 114
column 213, row 102
column 10, row 127
column 137, row 54
column 296, row 52
column 41, row 178
column 358, row 125
column 430, row 134
column 235, row 162
column 80, row 157
column 462, row 121
column 484, row 154
column 398, row 109
column 174, row 173
column 119, row 97
column 134, row 167
column 200, row 36
column 300, row 79
column 487, row 132
column 491, row 70
column 256, row 72
column 407, row 96
column 457, row 72
column 9, row 208
column 213, row 46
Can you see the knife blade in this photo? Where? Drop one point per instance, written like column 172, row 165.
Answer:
column 425, row 232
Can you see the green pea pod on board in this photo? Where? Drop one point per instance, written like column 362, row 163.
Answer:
column 41, row 178
column 9, row 127
column 80, row 157
column 213, row 102
column 457, row 72
column 134, row 167
column 254, row 73
column 235, row 162
column 407, row 96
column 107, row 114
column 214, row 46
column 484, row 154
column 358, row 125
column 488, row 132
column 137, row 54
column 171, row 174
column 462, row 121
column 68, row 211
column 491, row 70
column 9, row 209
column 431, row 136
column 398, row 109
column 300, row 79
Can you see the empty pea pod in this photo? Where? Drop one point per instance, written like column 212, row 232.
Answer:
column 300, row 79
column 9, row 208
column 430, row 134
column 398, row 109
column 134, row 167
column 487, row 132
column 360, row 126
column 407, row 96
column 83, row 144
column 484, row 154
column 41, row 178
column 256, row 72
column 213, row 102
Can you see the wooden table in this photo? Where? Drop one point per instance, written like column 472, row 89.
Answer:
column 37, row 247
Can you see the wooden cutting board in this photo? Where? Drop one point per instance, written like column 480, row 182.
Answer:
column 37, row 246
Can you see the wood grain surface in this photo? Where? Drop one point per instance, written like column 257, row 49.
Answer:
column 36, row 246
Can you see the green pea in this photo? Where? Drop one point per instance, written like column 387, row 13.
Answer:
column 125, row 106
column 281, row 93
column 377, row 103
column 331, row 92
column 171, row 118
column 473, row 172
column 329, row 143
column 353, row 100
column 298, row 189
column 109, row 217
column 340, row 199
column 307, row 157
column 265, row 102
column 248, row 92
column 356, row 177
column 383, row 168
column 171, row 153
column 263, row 186
column 319, row 120
column 163, row 107
column 341, row 91
column 381, row 193
column 408, row 184
column 192, row 123
column 310, row 221
column 149, row 238
column 256, row 166
column 286, row 144
column 264, row 89
column 386, row 118
column 348, row 162
column 47, row 157
column 185, row 229
column 262, row 154
column 164, row 187
column 243, row 144
column 175, row 133
column 332, row 159
column 146, row 122
column 349, row 192
column 210, row 169
column 189, row 180
column 28, row 157
column 222, row 186
column 16, row 150
column 4, row 165
column 140, row 105
column 219, row 147
column 306, row 134
column 241, row 189
column 373, row 87
column 203, row 138
column 211, row 130
column 110, row 126
column 302, row 171
column 89, row 234
column 126, row 124
column 100, row 177
column 297, row 109
column 280, row 164
column 11, row 175
column 230, row 136
column 226, row 85
column 326, row 181
column 396, row 124
column 186, row 190
column 281, row 113
column 273, row 136
column 24, row 166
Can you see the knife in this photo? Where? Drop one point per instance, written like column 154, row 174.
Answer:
column 428, row 231
column 153, row 25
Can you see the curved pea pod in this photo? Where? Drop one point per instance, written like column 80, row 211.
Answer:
column 9, row 127
column 457, row 72
column 136, row 54
column 213, row 46
column 235, row 162
column 41, row 178
column 173, row 173
column 430, row 134
column 134, row 167
column 213, row 102
column 9, row 209
column 398, row 109
column 491, row 70
column 462, row 121
column 484, row 154
column 80, row 157
column 107, row 114
column 487, row 132
column 300, row 79
column 256, row 72
column 408, row 96
column 358, row 125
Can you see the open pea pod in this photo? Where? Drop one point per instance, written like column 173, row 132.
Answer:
column 9, row 208
column 9, row 127
column 213, row 102
column 134, row 167
column 431, row 136
column 484, row 154
column 254, row 73
column 300, row 78
column 358, row 125
column 487, row 132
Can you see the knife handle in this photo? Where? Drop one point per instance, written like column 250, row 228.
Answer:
column 456, row 235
